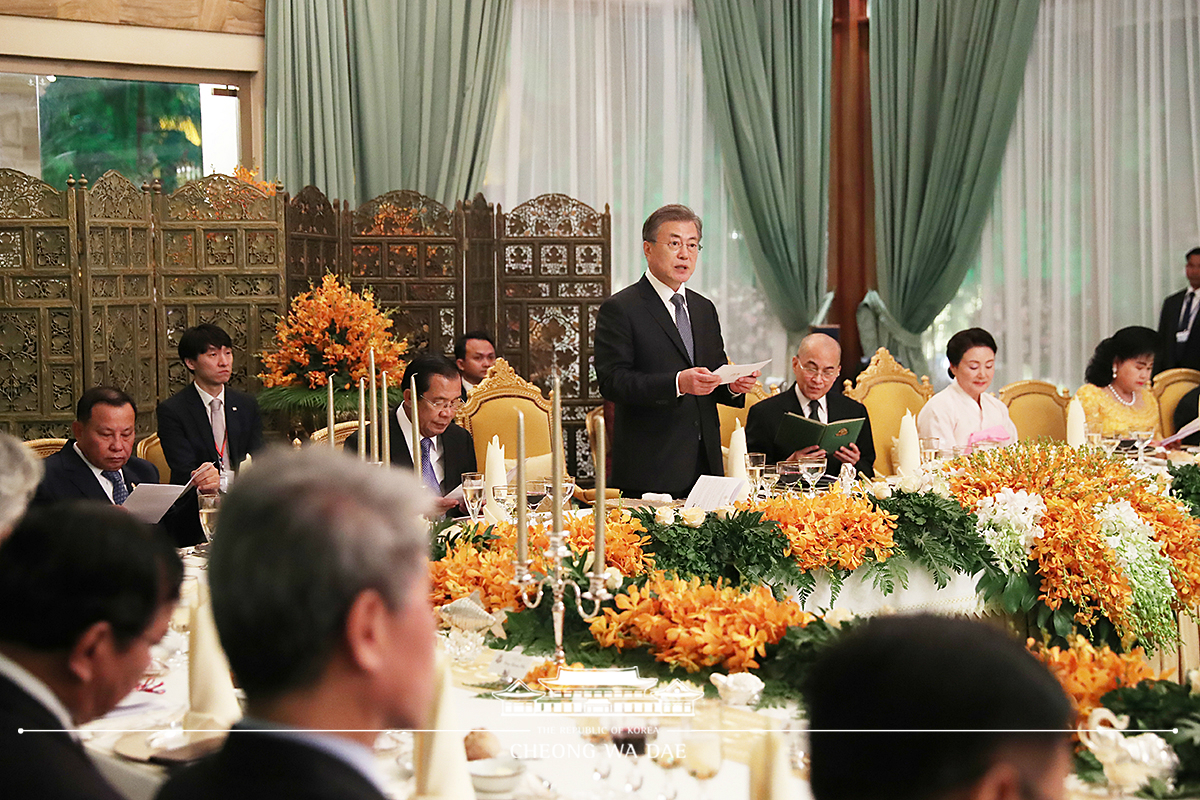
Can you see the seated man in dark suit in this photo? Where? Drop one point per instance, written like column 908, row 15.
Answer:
column 85, row 590
column 98, row 463
column 474, row 354
column 816, row 366
column 208, row 422
column 1186, row 411
column 321, row 597
column 948, row 709
column 447, row 450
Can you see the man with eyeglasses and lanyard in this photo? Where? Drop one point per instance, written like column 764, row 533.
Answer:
column 447, row 451
column 816, row 366
column 656, row 346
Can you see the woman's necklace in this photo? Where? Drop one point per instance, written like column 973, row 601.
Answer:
column 1120, row 399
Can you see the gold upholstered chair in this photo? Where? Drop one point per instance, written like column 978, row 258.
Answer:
column 45, row 447
column 491, row 410
column 150, row 449
column 1037, row 408
column 729, row 414
column 1169, row 387
column 887, row 390
column 341, row 432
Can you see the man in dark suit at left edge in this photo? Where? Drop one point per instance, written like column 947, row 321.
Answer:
column 98, row 463
column 85, row 591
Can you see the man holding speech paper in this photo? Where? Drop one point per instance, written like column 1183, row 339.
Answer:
column 656, row 346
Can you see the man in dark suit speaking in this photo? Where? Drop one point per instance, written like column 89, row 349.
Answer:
column 656, row 345
column 1178, row 333
column 816, row 366
column 447, row 450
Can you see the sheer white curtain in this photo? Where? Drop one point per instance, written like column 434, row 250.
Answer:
column 604, row 102
column 1099, row 195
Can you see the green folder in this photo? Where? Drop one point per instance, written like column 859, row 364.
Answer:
column 797, row 432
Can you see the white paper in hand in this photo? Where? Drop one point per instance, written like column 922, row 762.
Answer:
column 728, row 373
column 149, row 501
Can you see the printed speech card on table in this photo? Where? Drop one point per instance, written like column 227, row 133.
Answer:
column 712, row 492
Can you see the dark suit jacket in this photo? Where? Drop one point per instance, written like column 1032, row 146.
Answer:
column 68, row 477
column 43, row 765
column 762, row 422
column 458, row 452
column 1185, row 412
column 1168, row 322
column 256, row 765
column 661, row 443
column 185, row 430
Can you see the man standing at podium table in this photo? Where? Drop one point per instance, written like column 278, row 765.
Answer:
column 656, row 344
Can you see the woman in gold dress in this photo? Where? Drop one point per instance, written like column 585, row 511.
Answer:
column 1116, row 398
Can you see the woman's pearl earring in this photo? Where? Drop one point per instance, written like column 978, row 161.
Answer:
column 1114, row 372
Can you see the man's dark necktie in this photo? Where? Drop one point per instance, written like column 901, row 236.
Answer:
column 684, row 323
column 1184, row 318
column 120, row 492
column 814, row 408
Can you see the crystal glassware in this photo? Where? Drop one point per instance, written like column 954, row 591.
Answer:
column 755, row 462
column 210, row 504
column 811, row 469
column 788, row 474
column 505, row 497
column 1140, row 440
column 473, row 485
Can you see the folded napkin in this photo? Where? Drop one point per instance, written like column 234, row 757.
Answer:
column 996, row 433
column 736, row 465
column 769, row 768
column 439, row 756
column 908, row 451
column 494, row 474
column 1076, row 423
column 210, row 687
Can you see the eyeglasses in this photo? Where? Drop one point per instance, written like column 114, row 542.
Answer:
column 444, row 405
column 676, row 244
column 829, row 373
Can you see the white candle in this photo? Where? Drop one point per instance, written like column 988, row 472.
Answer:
column 385, row 424
column 601, row 510
column 329, row 430
column 416, row 425
column 374, row 408
column 1076, row 423
column 556, row 448
column 522, row 499
column 362, row 419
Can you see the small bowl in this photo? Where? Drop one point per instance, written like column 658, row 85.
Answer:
column 496, row 775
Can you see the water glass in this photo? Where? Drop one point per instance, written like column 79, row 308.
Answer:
column 788, row 473
column 929, row 449
column 473, row 485
column 755, row 462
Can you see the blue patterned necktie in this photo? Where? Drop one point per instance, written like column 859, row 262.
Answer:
column 427, row 473
column 118, row 483
column 684, row 323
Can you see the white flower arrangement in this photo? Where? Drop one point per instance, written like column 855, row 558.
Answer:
column 932, row 477
column 1148, row 571
column 1008, row 522
column 693, row 516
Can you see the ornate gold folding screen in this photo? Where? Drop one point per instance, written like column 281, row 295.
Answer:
column 97, row 283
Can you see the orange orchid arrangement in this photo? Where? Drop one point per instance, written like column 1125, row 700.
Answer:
column 1075, row 562
column 695, row 625
column 331, row 329
column 250, row 176
column 1087, row 673
column 624, row 540
column 832, row 529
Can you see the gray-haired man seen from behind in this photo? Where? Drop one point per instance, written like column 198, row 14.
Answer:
column 20, row 473
column 320, row 591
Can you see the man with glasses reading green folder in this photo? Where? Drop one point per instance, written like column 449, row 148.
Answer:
column 783, row 426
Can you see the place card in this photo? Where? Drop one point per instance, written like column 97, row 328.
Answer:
column 510, row 664
column 712, row 492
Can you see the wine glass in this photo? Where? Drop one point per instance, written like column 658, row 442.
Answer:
column 209, row 505
column 505, row 496
column 788, row 474
column 535, row 492
column 754, row 469
column 702, row 751
column 1140, row 440
column 811, row 469
column 568, row 491
column 769, row 478
column 473, row 484
column 929, row 449
column 668, row 753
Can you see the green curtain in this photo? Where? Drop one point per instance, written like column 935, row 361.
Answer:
column 426, row 77
column 308, row 125
column 767, row 79
column 945, row 79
